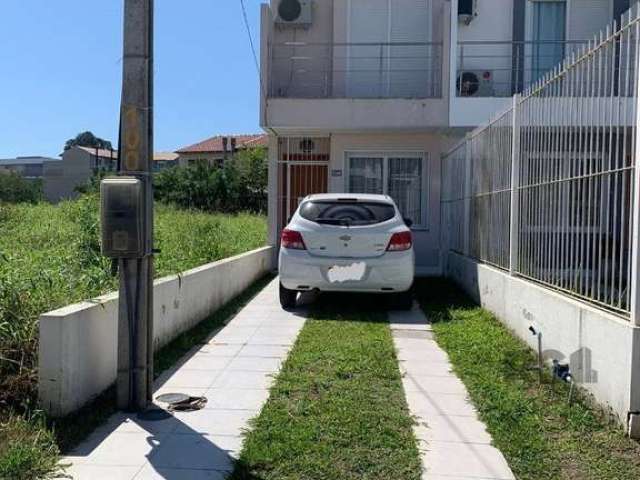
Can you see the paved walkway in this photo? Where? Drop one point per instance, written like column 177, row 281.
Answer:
column 453, row 442
column 234, row 371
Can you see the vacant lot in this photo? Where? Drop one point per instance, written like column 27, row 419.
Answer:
column 50, row 257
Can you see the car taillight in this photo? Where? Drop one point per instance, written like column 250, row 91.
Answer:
column 399, row 242
column 292, row 240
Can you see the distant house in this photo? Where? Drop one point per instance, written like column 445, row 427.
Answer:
column 216, row 150
column 79, row 164
column 28, row 167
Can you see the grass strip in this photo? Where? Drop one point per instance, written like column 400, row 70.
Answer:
column 539, row 434
column 30, row 447
column 337, row 409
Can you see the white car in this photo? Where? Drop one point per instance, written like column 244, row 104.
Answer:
column 347, row 243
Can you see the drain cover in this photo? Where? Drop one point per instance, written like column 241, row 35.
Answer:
column 172, row 398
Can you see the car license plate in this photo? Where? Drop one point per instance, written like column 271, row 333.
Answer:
column 347, row 273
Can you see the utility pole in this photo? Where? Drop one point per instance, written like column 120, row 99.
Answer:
column 135, row 314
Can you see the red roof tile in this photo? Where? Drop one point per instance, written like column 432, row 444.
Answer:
column 214, row 144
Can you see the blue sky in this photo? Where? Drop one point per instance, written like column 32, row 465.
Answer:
column 60, row 72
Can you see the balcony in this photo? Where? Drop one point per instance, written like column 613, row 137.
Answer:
column 343, row 86
column 501, row 69
column 356, row 70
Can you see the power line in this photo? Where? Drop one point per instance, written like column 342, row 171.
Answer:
column 248, row 28
column 263, row 88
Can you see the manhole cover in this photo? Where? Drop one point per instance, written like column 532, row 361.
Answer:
column 172, row 398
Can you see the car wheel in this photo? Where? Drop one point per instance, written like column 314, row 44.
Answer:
column 287, row 298
column 404, row 300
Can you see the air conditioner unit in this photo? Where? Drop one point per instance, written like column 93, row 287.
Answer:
column 475, row 83
column 467, row 11
column 294, row 13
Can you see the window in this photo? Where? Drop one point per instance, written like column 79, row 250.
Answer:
column 548, row 35
column 347, row 212
column 399, row 175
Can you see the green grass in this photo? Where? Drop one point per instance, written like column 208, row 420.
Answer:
column 50, row 257
column 539, row 434
column 337, row 409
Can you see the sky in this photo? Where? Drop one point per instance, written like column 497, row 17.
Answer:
column 61, row 72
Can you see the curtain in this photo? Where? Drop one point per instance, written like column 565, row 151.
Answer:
column 365, row 175
column 549, row 25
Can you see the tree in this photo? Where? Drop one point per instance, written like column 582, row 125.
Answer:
column 87, row 139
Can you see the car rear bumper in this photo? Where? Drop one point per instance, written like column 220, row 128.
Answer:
column 392, row 272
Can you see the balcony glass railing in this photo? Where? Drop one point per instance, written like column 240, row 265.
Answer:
column 355, row 70
column 501, row 69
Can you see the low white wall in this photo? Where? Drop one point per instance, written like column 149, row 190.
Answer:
column 601, row 348
column 78, row 343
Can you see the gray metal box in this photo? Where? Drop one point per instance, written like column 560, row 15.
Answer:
column 122, row 217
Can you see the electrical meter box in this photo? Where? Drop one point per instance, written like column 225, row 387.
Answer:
column 122, row 217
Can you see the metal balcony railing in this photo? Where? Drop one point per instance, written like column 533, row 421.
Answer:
column 501, row 69
column 355, row 70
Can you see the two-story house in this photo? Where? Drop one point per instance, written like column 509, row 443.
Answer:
column 366, row 95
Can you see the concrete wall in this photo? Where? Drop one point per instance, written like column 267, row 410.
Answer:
column 78, row 343
column 601, row 348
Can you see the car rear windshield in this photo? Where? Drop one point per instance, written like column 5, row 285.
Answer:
column 347, row 212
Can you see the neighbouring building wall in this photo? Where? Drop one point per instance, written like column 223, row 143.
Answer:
column 61, row 178
column 212, row 158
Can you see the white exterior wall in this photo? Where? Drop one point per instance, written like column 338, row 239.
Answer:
column 78, row 343
column 601, row 348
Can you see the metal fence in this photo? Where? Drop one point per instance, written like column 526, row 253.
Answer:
column 355, row 70
column 551, row 186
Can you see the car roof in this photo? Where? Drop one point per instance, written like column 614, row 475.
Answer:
column 358, row 196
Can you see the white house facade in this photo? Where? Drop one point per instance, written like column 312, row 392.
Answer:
column 367, row 95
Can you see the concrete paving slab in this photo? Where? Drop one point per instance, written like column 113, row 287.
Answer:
column 449, row 384
column 204, row 361
column 111, row 450
column 102, row 472
column 214, row 421
column 255, row 364
column 453, row 442
column 451, row 428
column 189, row 379
column 236, row 398
column 466, row 460
column 149, row 472
column 233, row 370
column 265, row 351
column 221, row 349
column 198, row 452
column 242, row 379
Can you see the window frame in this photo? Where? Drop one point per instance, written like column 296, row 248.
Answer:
column 421, row 224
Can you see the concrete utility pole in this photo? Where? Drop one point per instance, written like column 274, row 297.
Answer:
column 135, row 321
